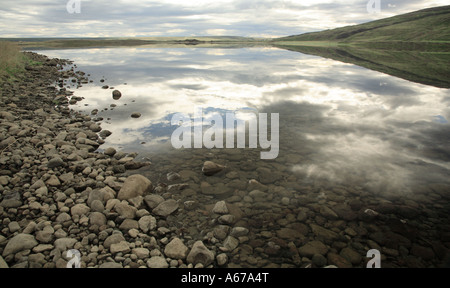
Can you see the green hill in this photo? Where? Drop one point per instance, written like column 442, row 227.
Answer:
column 431, row 25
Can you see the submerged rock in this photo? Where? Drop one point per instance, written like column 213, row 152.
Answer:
column 136, row 115
column 210, row 168
column 116, row 94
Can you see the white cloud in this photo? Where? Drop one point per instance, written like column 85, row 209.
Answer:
column 157, row 17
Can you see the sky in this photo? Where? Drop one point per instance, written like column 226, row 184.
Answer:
column 154, row 18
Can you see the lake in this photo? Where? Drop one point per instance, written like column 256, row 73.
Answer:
column 363, row 160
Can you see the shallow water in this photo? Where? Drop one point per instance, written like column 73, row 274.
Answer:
column 346, row 133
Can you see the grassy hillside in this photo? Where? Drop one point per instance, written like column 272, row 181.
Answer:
column 431, row 24
column 429, row 68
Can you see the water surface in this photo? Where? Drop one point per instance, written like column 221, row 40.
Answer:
column 346, row 132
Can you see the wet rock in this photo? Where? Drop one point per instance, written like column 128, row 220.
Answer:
column 220, row 208
column 116, row 94
column 134, row 185
column 319, row 260
column 110, row 151
column 153, row 200
column 200, row 254
column 327, row 212
column 136, row 115
column 172, row 176
column 166, row 208
column 312, row 248
column 239, row 232
column 222, row 259
column 210, row 168
column 338, row 261
column 230, row 243
column 289, row 234
column 351, row 255
column 324, row 234
column 105, row 133
column 425, row 253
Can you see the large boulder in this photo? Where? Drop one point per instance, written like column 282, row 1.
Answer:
column 18, row 243
column 134, row 185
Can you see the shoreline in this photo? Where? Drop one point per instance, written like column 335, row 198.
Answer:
column 59, row 193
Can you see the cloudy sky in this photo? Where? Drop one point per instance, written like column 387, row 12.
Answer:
column 148, row 18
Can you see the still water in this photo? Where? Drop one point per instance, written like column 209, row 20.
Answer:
column 350, row 139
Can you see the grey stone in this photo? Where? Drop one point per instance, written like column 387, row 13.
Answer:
column 200, row 254
column 125, row 210
column 121, row 247
column 141, row 253
column 153, row 200
column 136, row 115
column 157, row 262
column 97, row 206
column 55, row 162
column 63, row 244
column 166, row 208
column 176, row 249
column 13, row 226
column 239, row 231
column 113, row 239
column 312, row 248
column 110, row 265
column 351, row 255
column 210, row 168
column 323, row 233
column 222, row 259
column 97, row 218
column 18, row 243
column 63, row 217
column 227, row 219
column 220, row 208
column 327, row 212
column 3, row 263
column 134, row 185
column 53, row 181
column 147, row 223
column 46, row 235
column 129, row 224
column 319, row 260
column 79, row 209
column 110, row 151
column 231, row 243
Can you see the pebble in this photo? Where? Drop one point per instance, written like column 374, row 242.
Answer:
column 57, row 193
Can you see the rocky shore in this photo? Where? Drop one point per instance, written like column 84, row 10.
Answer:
column 194, row 208
column 58, row 192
